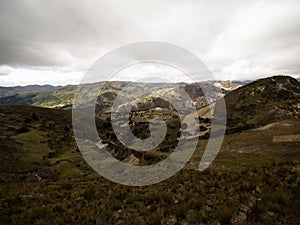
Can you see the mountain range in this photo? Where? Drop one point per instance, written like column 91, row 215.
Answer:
column 62, row 96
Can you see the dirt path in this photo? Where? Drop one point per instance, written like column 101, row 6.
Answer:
column 287, row 138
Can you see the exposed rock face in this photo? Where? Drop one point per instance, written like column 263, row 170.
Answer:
column 245, row 210
column 227, row 86
column 132, row 160
column 152, row 103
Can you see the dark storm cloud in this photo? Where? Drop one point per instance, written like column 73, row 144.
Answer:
column 234, row 38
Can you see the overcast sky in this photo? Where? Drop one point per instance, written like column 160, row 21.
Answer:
column 55, row 41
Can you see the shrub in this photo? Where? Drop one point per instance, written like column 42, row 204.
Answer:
column 181, row 211
column 224, row 213
column 22, row 129
column 67, row 186
column 194, row 216
column 89, row 194
column 34, row 116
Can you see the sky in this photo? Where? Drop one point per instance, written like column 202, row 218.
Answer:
column 55, row 42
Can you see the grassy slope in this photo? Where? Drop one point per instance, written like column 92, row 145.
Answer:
column 52, row 99
column 38, row 142
column 262, row 102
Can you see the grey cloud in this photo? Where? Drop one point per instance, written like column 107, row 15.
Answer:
column 71, row 34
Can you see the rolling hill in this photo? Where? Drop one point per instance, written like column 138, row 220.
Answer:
column 263, row 102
